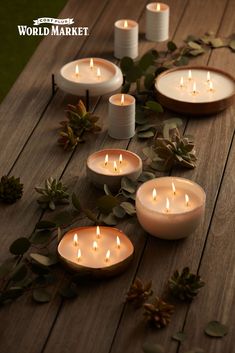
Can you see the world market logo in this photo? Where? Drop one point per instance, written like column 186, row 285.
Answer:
column 59, row 27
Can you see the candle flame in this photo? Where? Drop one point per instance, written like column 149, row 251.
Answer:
column 106, row 159
column 98, row 73
column 182, row 82
column 158, row 6
column 91, row 64
column 173, row 188
column 107, row 257
column 95, row 245
column 167, row 205
column 120, row 159
column 79, row 254
column 154, row 194
column 186, row 199
column 125, row 24
column 77, row 70
column 190, row 75
column 75, row 239
column 118, row 242
column 115, row 166
column 211, row 88
column 208, row 77
column 98, row 232
column 194, row 88
column 122, row 99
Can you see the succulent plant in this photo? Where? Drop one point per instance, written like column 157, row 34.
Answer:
column 79, row 121
column 158, row 312
column 185, row 285
column 11, row 189
column 139, row 292
column 53, row 193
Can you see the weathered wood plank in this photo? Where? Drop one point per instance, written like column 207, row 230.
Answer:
column 21, row 110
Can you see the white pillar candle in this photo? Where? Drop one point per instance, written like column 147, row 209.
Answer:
column 126, row 38
column 157, row 22
column 121, row 123
column 170, row 207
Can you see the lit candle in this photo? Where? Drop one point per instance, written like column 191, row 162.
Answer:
column 91, row 64
column 126, row 34
column 186, row 200
column 189, row 75
column 157, row 22
column 125, row 24
column 107, row 257
column 106, row 160
column 75, row 239
column 79, row 255
column 122, row 99
column 77, row 70
column 115, row 166
column 98, row 232
column 95, row 245
column 120, row 159
column 167, row 205
column 208, row 77
column 194, row 88
column 98, row 73
column 211, row 87
column 158, row 6
column 181, row 82
column 118, row 242
column 173, row 188
column 154, row 194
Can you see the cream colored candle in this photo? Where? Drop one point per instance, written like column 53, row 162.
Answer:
column 98, row 76
column 110, row 165
column 126, row 38
column 170, row 207
column 157, row 21
column 100, row 251
column 121, row 122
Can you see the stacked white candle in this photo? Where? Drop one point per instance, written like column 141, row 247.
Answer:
column 126, row 39
column 98, row 249
column 121, row 123
column 157, row 22
column 170, row 207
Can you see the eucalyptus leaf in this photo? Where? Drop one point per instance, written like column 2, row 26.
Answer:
column 149, row 347
column 128, row 185
column 179, row 336
column 154, row 106
column 149, row 81
column 196, row 52
column 216, row 329
column 129, row 208
column 217, row 43
column 133, row 74
column 41, row 237
column 171, row 46
column 145, row 127
column 20, row 246
column 41, row 295
column 19, row 273
column 182, row 61
column 110, row 220
column 107, row 191
column 44, row 260
column 106, row 203
column 146, row 134
column 119, row 212
column 232, row 44
column 194, row 45
column 145, row 176
column 146, row 60
column 128, row 195
column 126, row 64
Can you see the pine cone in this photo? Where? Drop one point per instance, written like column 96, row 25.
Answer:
column 11, row 189
column 159, row 312
column 185, row 286
column 139, row 292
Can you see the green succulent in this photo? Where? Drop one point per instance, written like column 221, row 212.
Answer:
column 11, row 189
column 68, row 140
column 185, row 285
column 53, row 193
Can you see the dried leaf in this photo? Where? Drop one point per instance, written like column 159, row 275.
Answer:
column 216, row 329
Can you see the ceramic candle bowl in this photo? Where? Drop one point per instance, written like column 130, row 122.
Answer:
column 110, row 165
column 170, row 207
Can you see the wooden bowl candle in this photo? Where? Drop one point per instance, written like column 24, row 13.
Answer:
column 196, row 90
column 108, row 166
column 98, row 76
column 97, row 251
column 170, row 207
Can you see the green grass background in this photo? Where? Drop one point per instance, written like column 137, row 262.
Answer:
column 15, row 50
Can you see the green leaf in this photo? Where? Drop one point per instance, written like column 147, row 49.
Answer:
column 149, row 347
column 171, row 46
column 217, row 43
column 216, row 329
column 145, row 127
column 182, row 61
column 11, row 294
column 232, row 44
column 41, row 237
column 145, row 176
column 194, row 45
column 69, row 291
column 128, row 185
column 126, row 64
column 110, row 220
column 196, row 52
column 129, row 208
column 146, row 60
column 44, row 260
column 119, row 212
column 41, row 295
column 126, row 87
column 146, row 134
column 179, row 336
column 19, row 273
column 76, row 202
column 154, row 106
column 106, row 203
column 45, row 225
column 149, row 81
column 107, row 191
column 20, row 246
column 133, row 74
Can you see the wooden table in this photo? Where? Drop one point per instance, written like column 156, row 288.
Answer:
column 98, row 321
